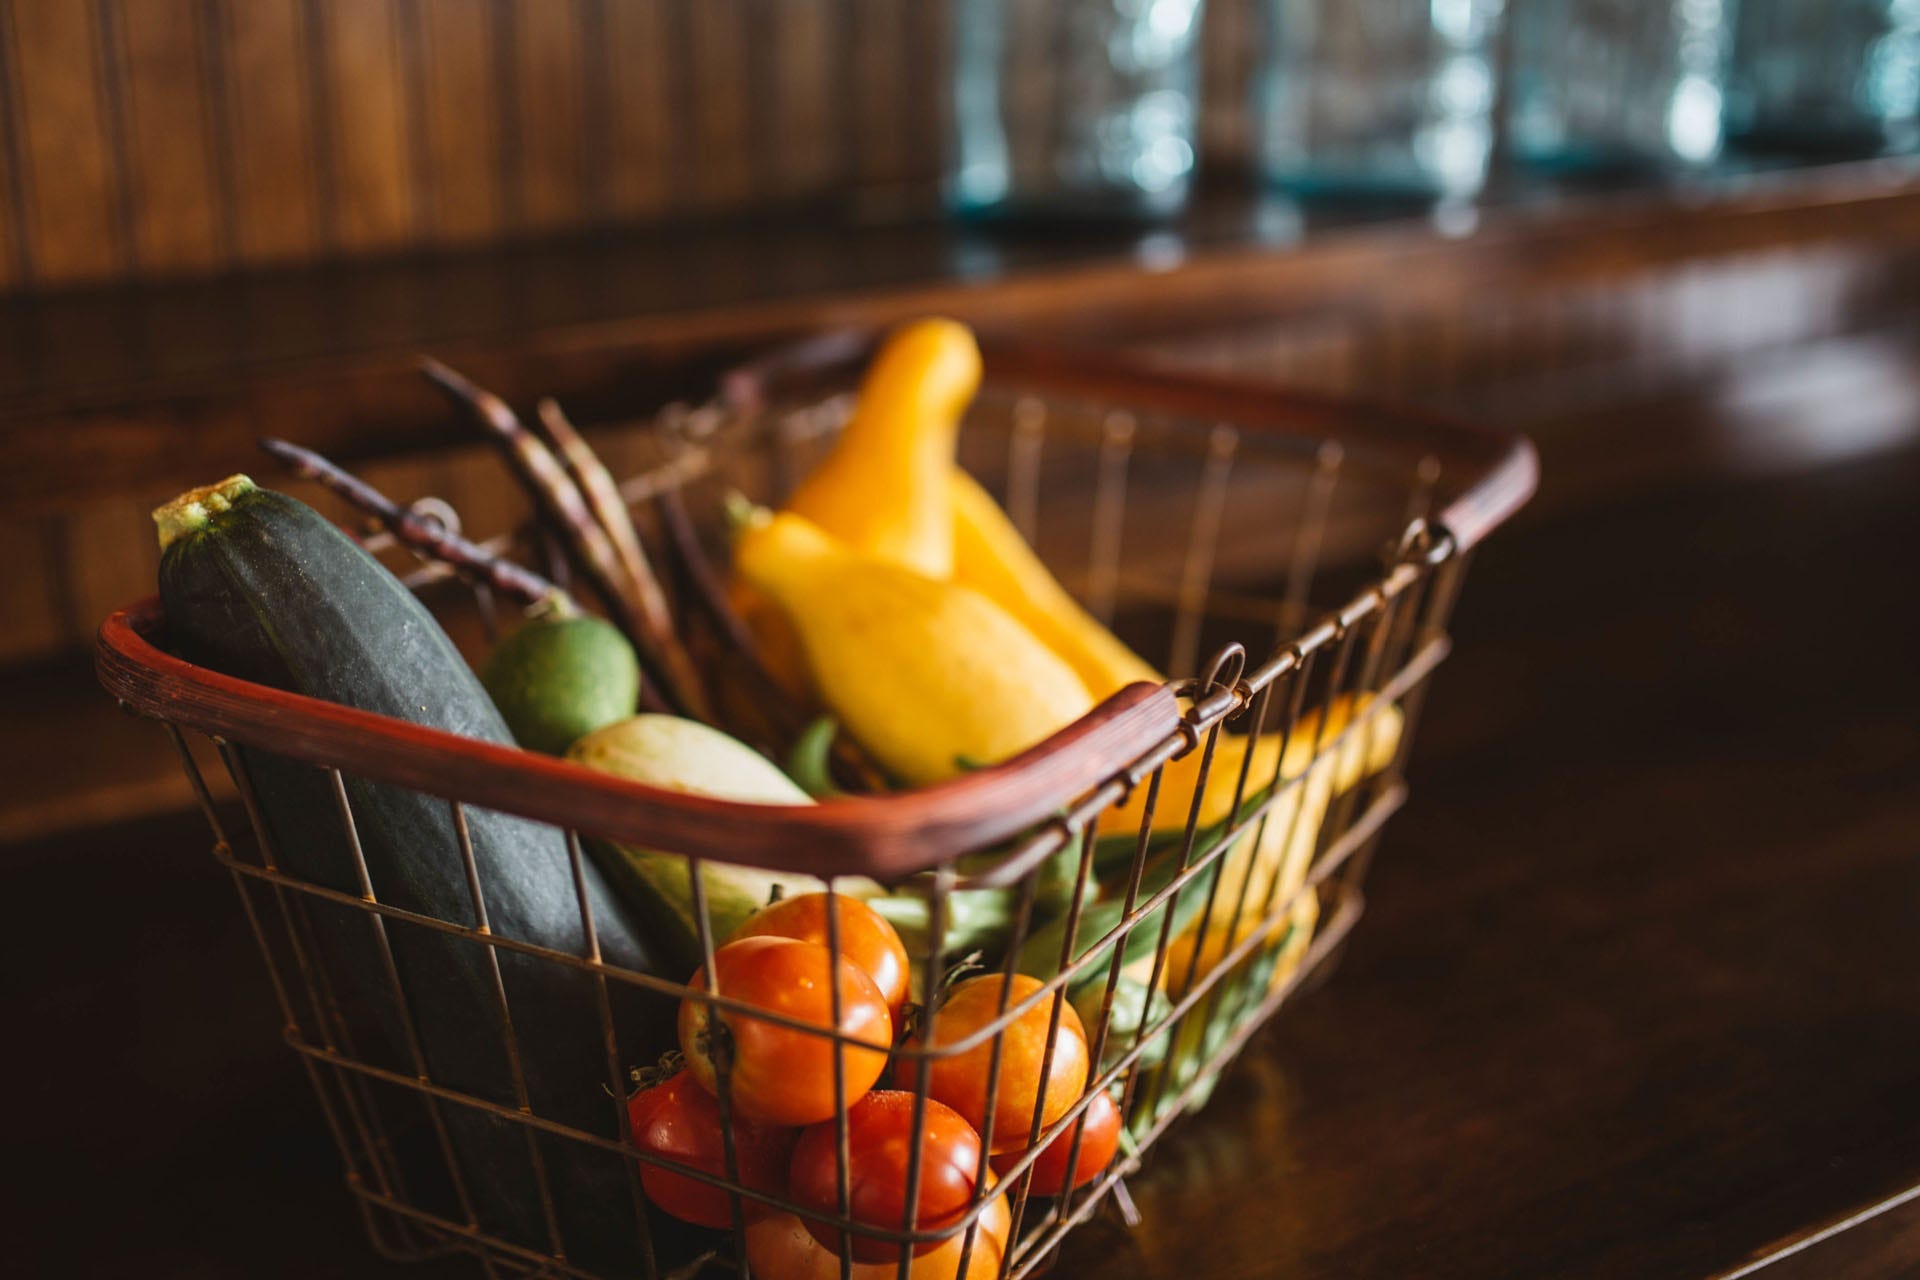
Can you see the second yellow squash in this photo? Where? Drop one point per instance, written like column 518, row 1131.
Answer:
column 928, row 675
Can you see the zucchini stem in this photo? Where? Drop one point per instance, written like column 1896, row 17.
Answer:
column 192, row 510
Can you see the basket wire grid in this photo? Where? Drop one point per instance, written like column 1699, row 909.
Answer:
column 1262, row 503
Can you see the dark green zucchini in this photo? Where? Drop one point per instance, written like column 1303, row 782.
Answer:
column 258, row 585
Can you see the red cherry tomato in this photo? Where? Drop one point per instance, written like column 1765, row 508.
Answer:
column 1097, row 1145
column 779, row 1247
column 1027, row 1073
column 678, row 1120
column 879, row 1150
column 865, row 937
column 781, row 1075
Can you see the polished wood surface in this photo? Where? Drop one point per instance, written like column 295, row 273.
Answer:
column 1633, row 996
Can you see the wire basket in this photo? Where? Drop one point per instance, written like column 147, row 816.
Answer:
column 1312, row 547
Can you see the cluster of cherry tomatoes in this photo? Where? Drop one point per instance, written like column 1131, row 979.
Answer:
column 781, row 1087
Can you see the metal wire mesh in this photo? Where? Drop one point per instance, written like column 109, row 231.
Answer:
column 1211, row 538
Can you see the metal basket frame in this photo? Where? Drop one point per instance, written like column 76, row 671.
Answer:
column 1378, row 648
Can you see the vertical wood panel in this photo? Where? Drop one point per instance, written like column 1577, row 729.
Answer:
column 70, row 179
column 175, row 191
column 372, row 193
column 34, row 620
column 596, row 112
column 111, row 557
column 880, row 91
column 547, row 48
column 640, row 140
column 723, row 169
column 462, row 149
column 169, row 136
column 276, row 187
column 15, row 255
column 806, row 143
column 1230, row 47
column 929, row 90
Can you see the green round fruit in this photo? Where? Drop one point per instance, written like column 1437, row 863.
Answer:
column 556, row 679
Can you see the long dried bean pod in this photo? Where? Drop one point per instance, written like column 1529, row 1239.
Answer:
column 559, row 500
column 428, row 537
column 596, row 485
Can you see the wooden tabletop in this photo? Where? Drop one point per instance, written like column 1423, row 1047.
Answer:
column 1634, row 996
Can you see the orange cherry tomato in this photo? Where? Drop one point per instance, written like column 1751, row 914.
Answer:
column 779, row 1247
column 781, row 1075
column 1097, row 1146
column 865, row 937
column 1028, row 1074
column 680, row 1121
column 879, row 1151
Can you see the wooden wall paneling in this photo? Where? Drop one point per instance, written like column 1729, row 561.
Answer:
column 366, row 152
column 110, row 556
column 1026, row 93
column 69, row 175
column 16, row 261
column 726, row 150
column 639, row 80
column 806, row 138
column 36, row 620
column 274, row 134
column 881, row 88
column 173, row 180
column 459, row 105
column 1230, row 47
column 596, row 111
column 547, row 49
column 930, row 95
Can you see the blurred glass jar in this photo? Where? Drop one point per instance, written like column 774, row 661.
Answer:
column 1083, row 108
column 1377, row 97
column 1837, row 76
column 1609, row 84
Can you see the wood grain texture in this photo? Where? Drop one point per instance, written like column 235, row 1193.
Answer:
column 806, row 142
column 640, row 137
column 367, row 130
column 1231, row 43
column 551, row 122
column 71, row 183
column 723, row 158
column 28, row 598
column 16, row 253
column 274, row 134
column 463, row 151
column 175, row 188
column 878, row 75
column 182, row 137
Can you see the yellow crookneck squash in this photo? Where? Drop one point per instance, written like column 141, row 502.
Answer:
column 928, row 675
column 884, row 489
column 990, row 556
